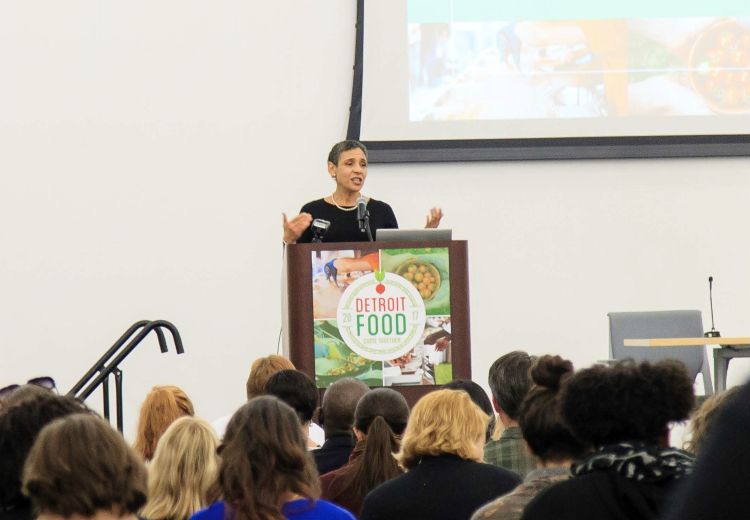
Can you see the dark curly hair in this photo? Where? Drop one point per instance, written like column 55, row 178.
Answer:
column 541, row 418
column 20, row 424
column 627, row 401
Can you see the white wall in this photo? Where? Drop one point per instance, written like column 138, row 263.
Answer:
column 147, row 150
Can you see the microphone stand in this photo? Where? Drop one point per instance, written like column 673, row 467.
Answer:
column 713, row 333
column 364, row 225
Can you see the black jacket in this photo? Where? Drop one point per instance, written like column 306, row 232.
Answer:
column 334, row 453
column 445, row 487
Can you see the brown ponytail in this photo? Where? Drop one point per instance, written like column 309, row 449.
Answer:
column 381, row 415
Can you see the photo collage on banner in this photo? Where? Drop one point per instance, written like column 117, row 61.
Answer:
column 382, row 316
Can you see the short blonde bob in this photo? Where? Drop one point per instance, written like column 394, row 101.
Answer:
column 183, row 470
column 443, row 421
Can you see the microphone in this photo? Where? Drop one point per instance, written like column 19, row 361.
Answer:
column 363, row 217
column 713, row 333
column 361, row 212
column 319, row 228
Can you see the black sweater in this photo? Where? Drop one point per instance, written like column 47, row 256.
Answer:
column 344, row 225
column 445, row 487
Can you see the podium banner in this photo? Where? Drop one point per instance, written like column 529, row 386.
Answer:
column 382, row 315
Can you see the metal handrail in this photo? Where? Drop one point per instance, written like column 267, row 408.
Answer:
column 99, row 373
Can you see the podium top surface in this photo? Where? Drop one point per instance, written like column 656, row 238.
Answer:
column 688, row 342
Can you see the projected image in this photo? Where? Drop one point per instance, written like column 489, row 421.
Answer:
column 534, row 69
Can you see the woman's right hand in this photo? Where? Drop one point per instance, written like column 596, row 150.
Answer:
column 294, row 228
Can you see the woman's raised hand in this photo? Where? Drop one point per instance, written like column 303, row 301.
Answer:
column 294, row 228
column 433, row 218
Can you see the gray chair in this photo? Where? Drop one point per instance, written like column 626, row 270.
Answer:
column 660, row 324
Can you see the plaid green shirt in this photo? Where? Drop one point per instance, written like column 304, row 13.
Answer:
column 510, row 452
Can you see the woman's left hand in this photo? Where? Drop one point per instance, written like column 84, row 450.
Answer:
column 433, row 218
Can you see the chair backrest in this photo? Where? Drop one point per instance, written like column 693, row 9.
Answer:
column 660, row 324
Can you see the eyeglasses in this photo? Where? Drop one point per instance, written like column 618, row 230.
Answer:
column 45, row 382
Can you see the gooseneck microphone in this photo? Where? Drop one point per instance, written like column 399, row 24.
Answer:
column 713, row 333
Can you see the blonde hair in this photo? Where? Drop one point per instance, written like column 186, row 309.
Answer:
column 162, row 406
column 261, row 371
column 443, row 421
column 705, row 416
column 184, row 468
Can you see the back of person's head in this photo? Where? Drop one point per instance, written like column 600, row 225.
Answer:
column 22, row 393
column 383, row 403
column 702, row 420
column 381, row 416
column 509, row 381
column 79, row 465
column 627, row 402
column 262, row 457
column 261, row 371
column 444, row 421
column 162, row 406
column 183, row 470
column 479, row 397
column 297, row 390
column 339, row 401
column 541, row 418
column 20, row 424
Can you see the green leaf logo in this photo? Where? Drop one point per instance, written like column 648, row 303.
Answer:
column 379, row 275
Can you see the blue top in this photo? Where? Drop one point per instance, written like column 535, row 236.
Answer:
column 301, row 509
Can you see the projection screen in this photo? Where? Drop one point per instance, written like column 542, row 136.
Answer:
column 439, row 80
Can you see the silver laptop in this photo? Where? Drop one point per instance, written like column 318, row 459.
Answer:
column 412, row 235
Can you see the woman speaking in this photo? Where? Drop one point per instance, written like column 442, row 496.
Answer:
column 347, row 166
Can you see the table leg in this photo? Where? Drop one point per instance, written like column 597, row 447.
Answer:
column 721, row 365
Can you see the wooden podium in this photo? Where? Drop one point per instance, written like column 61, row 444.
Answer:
column 299, row 307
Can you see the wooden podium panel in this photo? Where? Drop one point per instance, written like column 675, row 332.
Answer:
column 297, row 305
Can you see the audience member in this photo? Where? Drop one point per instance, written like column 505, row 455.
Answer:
column 80, row 468
column 720, row 484
column 183, row 471
column 298, row 391
column 509, row 382
column 265, row 472
column 261, row 371
column 14, row 393
column 20, row 423
column 703, row 419
column 162, row 406
column 380, row 420
column 546, row 434
column 624, row 411
column 479, row 397
column 441, row 451
column 20, row 394
column 337, row 416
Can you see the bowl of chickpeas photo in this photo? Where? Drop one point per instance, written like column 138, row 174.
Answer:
column 422, row 275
